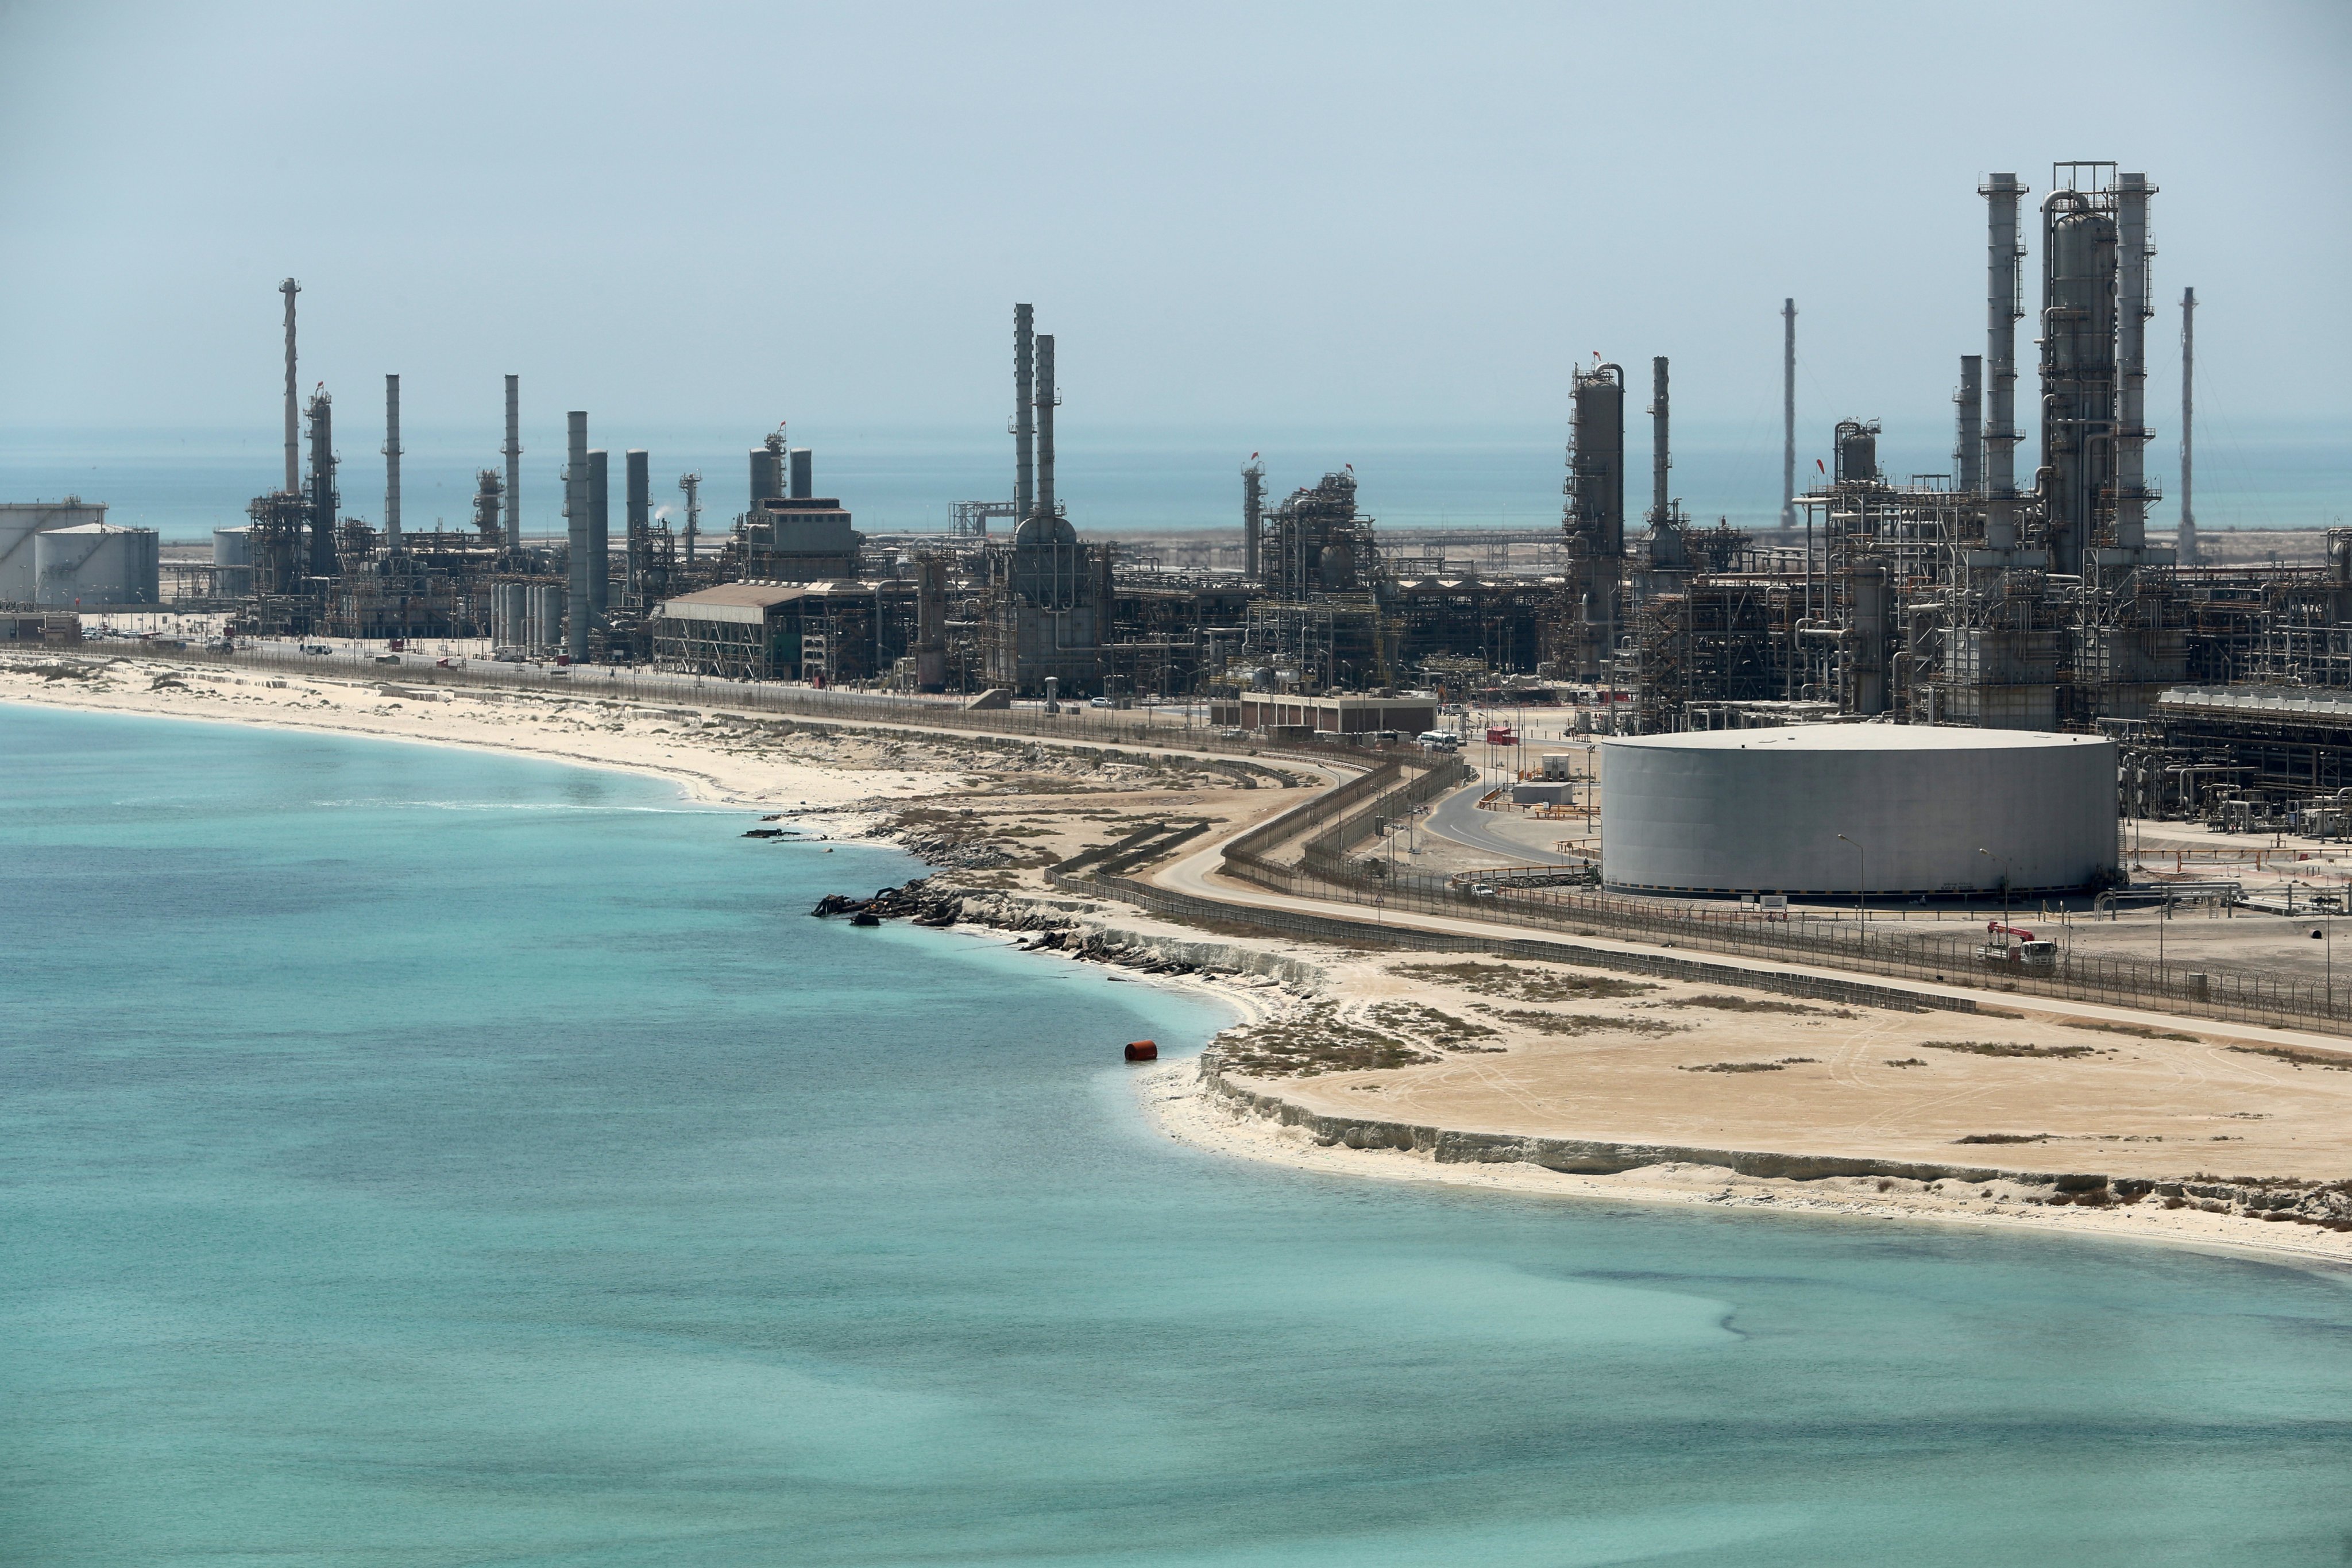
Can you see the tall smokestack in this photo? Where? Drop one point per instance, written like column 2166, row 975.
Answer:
column 1253, row 515
column 2185, row 551
column 600, row 535
column 2133, row 309
column 1788, row 414
column 293, row 431
column 2002, row 252
column 392, row 461
column 577, row 609
column 514, row 464
column 1024, row 411
column 1968, row 445
column 1046, row 424
column 1661, row 454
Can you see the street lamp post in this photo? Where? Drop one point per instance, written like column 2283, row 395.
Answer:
column 1862, row 891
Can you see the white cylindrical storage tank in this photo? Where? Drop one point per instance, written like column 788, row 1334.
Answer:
column 510, row 615
column 97, row 563
column 1922, row 810
column 546, row 616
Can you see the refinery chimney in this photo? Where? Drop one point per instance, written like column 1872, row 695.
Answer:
column 1253, row 515
column 575, row 518
column 293, row 437
column 514, row 465
column 1024, row 411
column 1968, row 445
column 391, row 462
column 1661, row 454
column 1788, row 414
column 600, row 535
column 2002, row 252
column 1045, row 400
column 2185, row 549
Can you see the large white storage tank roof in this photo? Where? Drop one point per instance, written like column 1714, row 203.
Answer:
column 1760, row 811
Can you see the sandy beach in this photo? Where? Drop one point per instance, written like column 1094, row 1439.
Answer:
column 1997, row 1117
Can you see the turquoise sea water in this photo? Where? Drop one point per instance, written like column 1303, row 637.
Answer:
column 414, row 1157
column 188, row 482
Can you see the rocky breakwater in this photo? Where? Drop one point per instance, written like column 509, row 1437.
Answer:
column 1056, row 926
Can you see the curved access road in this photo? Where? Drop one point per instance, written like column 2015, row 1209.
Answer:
column 1457, row 817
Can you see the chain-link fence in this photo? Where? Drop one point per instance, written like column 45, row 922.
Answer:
column 2205, row 990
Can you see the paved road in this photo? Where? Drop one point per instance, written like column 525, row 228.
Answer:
column 1457, row 817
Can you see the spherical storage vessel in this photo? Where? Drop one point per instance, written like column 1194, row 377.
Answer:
column 1922, row 810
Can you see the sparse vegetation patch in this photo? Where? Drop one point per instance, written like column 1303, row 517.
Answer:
column 2008, row 1048
column 1580, row 1023
column 1517, row 983
column 1725, row 1004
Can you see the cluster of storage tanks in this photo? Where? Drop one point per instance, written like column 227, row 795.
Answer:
column 64, row 554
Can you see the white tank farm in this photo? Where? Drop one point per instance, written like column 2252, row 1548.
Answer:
column 1760, row 811
column 97, row 563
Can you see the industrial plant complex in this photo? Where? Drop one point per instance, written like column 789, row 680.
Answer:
column 1943, row 644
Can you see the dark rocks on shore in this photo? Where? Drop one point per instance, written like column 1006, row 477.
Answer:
column 915, row 901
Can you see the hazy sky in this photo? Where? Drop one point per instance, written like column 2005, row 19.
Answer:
column 1343, row 216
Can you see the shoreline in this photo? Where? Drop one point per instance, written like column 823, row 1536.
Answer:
column 1179, row 1100
column 1256, row 978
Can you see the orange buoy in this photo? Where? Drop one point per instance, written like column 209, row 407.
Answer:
column 1142, row 1051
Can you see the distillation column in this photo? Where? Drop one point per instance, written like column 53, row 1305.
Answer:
column 1253, row 515
column 1661, row 455
column 391, row 462
column 1967, row 446
column 1595, row 519
column 575, row 519
column 1024, row 413
column 2002, row 254
column 514, row 465
column 2133, row 307
column 2078, row 374
column 1046, row 424
column 324, row 501
column 640, row 524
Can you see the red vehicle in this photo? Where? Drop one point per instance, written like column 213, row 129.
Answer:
column 1502, row 737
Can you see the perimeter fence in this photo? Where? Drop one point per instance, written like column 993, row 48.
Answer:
column 1325, row 872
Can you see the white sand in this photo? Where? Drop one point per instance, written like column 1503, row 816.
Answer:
column 1179, row 1105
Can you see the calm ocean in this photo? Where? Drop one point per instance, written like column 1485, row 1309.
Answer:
column 410, row 1156
column 186, row 483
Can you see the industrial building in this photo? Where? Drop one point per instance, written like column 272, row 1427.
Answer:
column 1877, row 809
